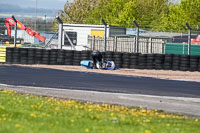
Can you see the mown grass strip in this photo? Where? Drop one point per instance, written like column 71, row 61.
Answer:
column 31, row 114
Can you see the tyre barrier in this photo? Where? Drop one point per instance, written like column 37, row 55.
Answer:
column 122, row 60
column 194, row 63
column 184, row 62
column 168, row 61
column 159, row 61
column 126, row 60
column 134, row 60
column 23, row 56
column 108, row 55
column 76, row 58
column 16, row 56
column 31, row 56
column 60, row 57
column 53, row 56
column 142, row 61
column 46, row 56
column 117, row 59
column 38, row 56
column 85, row 55
column 199, row 65
column 175, row 62
column 9, row 52
column 150, row 63
column 2, row 54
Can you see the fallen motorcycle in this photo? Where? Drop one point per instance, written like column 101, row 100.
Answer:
column 106, row 65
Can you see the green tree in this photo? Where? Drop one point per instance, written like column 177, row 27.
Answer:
column 161, row 15
column 107, row 9
column 77, row 11
column 127, row 14
column 123, row 12
column 148, row 12
column 177, row 15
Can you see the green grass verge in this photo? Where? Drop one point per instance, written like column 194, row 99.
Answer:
column 34, row 114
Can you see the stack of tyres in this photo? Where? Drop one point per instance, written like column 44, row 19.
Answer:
column 194, row 63
column 117, row 57
column 185, row 62
column 61, row 57
column 150, row 61
column 24, row 55
column 109, row 56
column 176, row 62
column 9, row 52
column 103, row 55
column 16, row 56
column 53, row 56
column 31, row 56
column 126, row 60
column 159, row 61
column 38, row 56
column 134, row 60
column 199, row 65
column 77, row 58
column 85, row 55
column 142, row 61
column 45, row 56
column 69, row 54
column 168, row 61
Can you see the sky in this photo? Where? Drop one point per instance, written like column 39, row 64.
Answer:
column 48, row 4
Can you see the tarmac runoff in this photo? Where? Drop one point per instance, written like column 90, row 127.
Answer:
column 179, row 105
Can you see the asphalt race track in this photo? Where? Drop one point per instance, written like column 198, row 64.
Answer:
column 52, row 78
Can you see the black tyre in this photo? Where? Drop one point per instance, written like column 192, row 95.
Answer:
column 125, row 66
column 117, row 55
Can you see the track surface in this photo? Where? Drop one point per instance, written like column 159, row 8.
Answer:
column 42, row 77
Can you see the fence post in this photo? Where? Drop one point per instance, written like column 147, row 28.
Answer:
column 189, row 38
column 60, row 32
column 105, row 34
column 137, row 36
column 147, row 45
column 151, row 45
column 15, row 37
column 115, row 48
column 93, row 42
column 163, row 47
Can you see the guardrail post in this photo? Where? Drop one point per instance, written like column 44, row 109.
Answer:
column 60, row 32
column 189, row 38
column 105, row 34
column 15, row 37
column 137, row 36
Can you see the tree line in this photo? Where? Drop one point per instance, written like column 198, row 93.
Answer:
column 157, row 15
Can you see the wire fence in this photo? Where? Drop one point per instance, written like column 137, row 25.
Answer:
column 24, row 38
column 122, row 44
column 92, row 37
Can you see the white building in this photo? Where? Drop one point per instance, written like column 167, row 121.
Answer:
column 77, row 34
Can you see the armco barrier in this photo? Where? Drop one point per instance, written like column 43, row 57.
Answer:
column 122, row 60
column 2, row 54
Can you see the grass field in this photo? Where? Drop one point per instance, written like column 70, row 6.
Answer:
column 34, row 114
